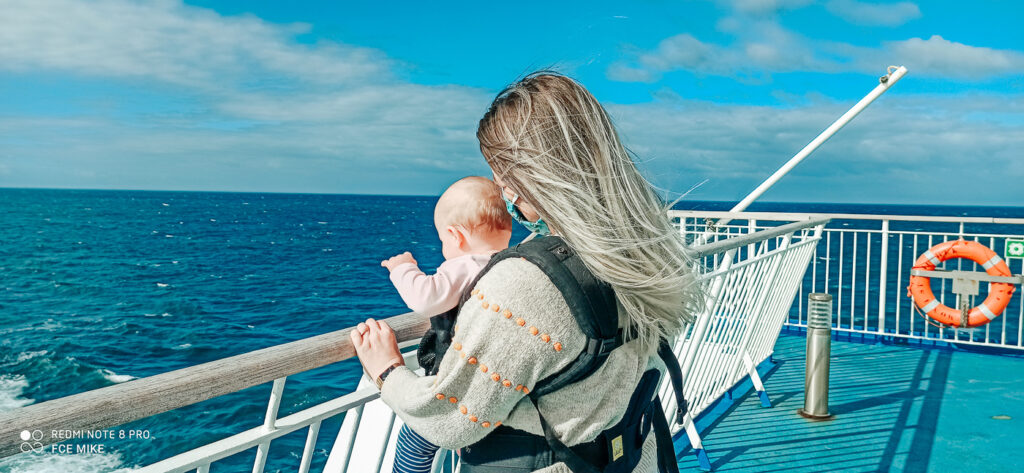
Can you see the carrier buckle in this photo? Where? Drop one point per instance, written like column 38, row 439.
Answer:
column 603, row 346
column 681, row 408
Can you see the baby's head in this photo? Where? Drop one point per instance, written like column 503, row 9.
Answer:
column 471, row 218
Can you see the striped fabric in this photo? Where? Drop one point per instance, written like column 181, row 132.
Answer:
column 414, row 454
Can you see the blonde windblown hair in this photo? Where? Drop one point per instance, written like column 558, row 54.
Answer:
column 548, row 139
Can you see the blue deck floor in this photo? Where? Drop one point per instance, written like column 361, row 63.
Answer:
column 897, row 408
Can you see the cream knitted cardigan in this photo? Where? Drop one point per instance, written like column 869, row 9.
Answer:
column 513, row 332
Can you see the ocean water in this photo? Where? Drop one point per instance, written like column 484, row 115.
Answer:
column 101, row 287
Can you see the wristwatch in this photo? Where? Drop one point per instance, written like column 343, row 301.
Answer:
column 380, row 379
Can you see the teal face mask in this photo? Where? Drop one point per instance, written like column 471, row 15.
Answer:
column 539, row 227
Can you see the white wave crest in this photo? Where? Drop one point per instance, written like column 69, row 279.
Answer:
column 11, row 389
column 64, row 463
column 114, row 377
column 28, row 355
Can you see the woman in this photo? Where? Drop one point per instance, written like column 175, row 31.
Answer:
column 557, row 157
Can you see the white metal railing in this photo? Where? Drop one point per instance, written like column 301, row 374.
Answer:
column 750, row 289
column 864, row 261
column 750, row 281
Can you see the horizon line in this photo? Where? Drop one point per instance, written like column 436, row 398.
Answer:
column 3, row 188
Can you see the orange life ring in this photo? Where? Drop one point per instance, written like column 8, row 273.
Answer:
column 999, row 293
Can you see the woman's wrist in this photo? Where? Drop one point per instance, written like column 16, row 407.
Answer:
column 379, row 380
column 378, row 371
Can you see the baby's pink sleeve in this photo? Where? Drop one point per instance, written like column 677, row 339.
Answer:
column 434, row 294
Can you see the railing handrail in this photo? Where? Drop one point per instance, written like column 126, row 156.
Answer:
column 733, row 242
column 108, row 406
column 787, row 216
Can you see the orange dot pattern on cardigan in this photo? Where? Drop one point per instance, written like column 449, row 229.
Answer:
column 519, row 321
column 465, row 411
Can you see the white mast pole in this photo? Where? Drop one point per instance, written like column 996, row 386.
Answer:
column 894, row 74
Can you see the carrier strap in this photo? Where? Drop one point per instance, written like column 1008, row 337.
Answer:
column 591, row 300
column 676, row 375
column 663, row 436
column 561, row 450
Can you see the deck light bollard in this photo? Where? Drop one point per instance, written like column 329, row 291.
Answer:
column 819, row 348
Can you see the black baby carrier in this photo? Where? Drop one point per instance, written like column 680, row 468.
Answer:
column 592, row 303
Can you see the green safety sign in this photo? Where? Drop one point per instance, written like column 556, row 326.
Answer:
column 1014, row 248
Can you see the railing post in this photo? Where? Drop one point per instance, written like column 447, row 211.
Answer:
column 883, row 270
column 758, row 307
column 274, row 404
column 751, row 228
column 704, row 317
column 268, row 424
column 307, row 450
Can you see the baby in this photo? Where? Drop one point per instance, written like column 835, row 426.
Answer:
column 473, row 224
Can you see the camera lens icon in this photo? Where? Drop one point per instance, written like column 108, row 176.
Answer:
column 31, row 441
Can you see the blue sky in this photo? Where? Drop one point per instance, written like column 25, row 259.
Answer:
column 384, row 99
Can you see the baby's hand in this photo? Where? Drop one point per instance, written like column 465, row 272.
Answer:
column 396, row 260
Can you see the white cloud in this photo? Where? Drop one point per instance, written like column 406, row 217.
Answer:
column 370, row 105
column 332, row 113
column 763, row 47
column 624, row 73
column 757, row 44
column 923, row 149
column 172, row 43
column 871, row 14
column 759, row 7
column 679, row 51
column 299, row 156
column 939, row 57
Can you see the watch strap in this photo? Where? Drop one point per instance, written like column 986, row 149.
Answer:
column 380, row 379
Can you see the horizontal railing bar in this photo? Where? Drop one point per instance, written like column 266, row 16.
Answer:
column 972, row 275
column 878, row 231
column 718, row 272
column 931, row 337
column 734, row 242
column 783, row 216
column 121, row 403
